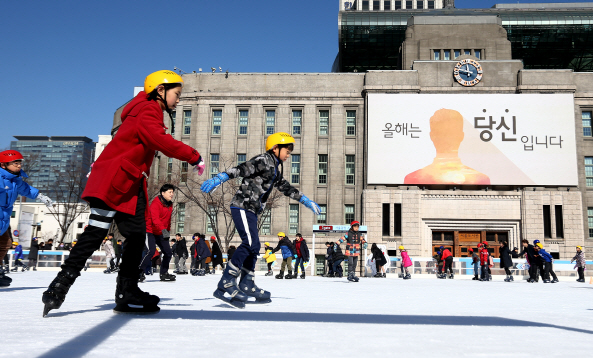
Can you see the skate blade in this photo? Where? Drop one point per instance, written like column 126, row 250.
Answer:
column 234, row 303
column 136, row 309
column 46, row 310
column 259, row 302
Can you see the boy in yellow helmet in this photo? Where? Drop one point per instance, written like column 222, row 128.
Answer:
column 260, row 175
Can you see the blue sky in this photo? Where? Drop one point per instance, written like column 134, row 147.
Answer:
column 68, row 65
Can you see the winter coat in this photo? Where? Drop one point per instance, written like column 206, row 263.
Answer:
column 530, row 252
column 505, row 257
column 379, row 257
column 353, row 241
column 160, row 216
column 117, row 248
column 329, row 253
column 230, row 254
column 108, row 247
column 260, row 174
column 475, row 258
column 302, row 250
column 287, row 248
column 545, row 257
column 269, row 255
column 579, row 258
column 18, row 252
column 174, row 249
column 407, row 262
column 216, row 252
column 201, row 249
column 209, row 258
column 34, row 250
column 337, row 253
column 181, row 248
column 446, row 253
column 11, row 186
column 514, row 254
column 48, row 247
column 118, row 173
column 484, row 255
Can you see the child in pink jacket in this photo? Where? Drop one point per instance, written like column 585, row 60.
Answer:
column 406, row 262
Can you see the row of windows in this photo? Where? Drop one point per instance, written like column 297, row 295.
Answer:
column 295, row 168
column 445, row 55
column 390, row 5
column 270, row 122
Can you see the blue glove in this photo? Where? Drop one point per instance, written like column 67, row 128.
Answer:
column 210, row 184
column 295, row 256
column 214, row 256
column 310, row 204
column 364, row 246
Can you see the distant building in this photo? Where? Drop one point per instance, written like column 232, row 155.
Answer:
column 101, row 144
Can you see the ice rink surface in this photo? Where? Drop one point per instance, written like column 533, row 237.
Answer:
column 322, row 317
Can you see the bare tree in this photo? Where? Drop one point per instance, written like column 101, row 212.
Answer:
column 67, row 191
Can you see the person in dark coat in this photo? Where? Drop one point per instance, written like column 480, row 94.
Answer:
column 505, row 260
column 201, row 253
column 529, row 251
column 337, row 258
column 216, row 254
column 230, row 253
column 329, row 257
column 380, row 260
column 33, row 253
column 515, row 253
column 49, row 245
column 302, row 252
column 182, row 253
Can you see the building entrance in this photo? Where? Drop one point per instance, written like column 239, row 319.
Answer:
column 459, row 242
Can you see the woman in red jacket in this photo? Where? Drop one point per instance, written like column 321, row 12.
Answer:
column 116, row 191
column 158, row 232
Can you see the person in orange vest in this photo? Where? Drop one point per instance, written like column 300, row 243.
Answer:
column 447, row 258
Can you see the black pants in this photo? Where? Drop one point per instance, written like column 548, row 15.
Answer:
column 132, row 227
column 448, row 265
column 152, row 241
column 508, row 271
column 32, row 262
column 532, row 269
column 330, row 268
column 581, row 271
column 117, row 259
column 549, row 270
column 270, row 266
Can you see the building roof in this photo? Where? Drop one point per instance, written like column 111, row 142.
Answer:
column 55, row 138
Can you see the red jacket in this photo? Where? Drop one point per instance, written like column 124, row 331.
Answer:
column 118, row 172
column 484, row 257
column 159, row 218
column 446, row 253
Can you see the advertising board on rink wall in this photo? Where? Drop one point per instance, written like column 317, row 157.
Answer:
column 472, row 139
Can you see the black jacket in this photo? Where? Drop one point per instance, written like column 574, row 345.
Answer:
column 337, row 253
column 303, row 249
column 216, row 252
column 505, row 257
column 181, row 248
column 515, row 255
column 230, row 253
column 329, row 253
column 531, row 255
column 34, row 250
column 379, row 257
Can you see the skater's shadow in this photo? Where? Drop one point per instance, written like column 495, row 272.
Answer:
column 19, row 288
column 105, row 307
column 203, row 299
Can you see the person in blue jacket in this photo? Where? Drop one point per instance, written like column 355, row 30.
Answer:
column 11, row 186
column 201, row 254
column 18, row 257
column 288, row 251
column 548, row 265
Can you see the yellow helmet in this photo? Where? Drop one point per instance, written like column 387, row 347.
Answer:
column 278, row 138
column 539, row 244
column 159, row 77
column 15, row 243
column 267, row 243
column 401, row 248
column 580, row 248
column 282, row 234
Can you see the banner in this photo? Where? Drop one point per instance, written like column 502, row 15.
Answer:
column 472, row 139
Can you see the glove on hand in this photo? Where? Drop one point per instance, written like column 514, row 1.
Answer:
column 210, row 184
column 199, row 166
column 310, row 204
column 166, row 234
column 46, row 200
column 214, row 256
column 295, row 256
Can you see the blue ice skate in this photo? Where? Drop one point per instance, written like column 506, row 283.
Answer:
column 248, row 287
column 228, row 284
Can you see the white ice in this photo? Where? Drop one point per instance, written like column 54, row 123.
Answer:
column 322, row 317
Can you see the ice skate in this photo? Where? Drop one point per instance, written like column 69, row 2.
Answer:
column 507, row 279
column 352, row 277
column 228, row 284
column 193, row 272
column 142, row 277
column 296, row 274
column 4, row 280
column 131, row 299
column 407, row 277
column 57, row 290
column 511, row 278
column 25, row 268
column 302, row 275
column 384, row 275
column 555, row 280
column 289, row 276
column 546, row 281
column 378, row 274
column 451, row 276
column 213, row 272
column 107, row 271
column 167, row 277
column 14, row 269
column 269, row 273
column 34, row 268
column 280, row 276
column 248, row 287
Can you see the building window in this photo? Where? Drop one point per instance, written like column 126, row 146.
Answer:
column 241, row 158
column 243, row 121
column 186, row 122
column 322, row 170
column 350, row 165
column 420, row 4
column 350, row 122
column 270, row 122
column 398, row 5
column 169, row 169
column 430, row 4
column 295, row 168
column 322, row 218
column 184, row 172
column 478, row 53
column 294, row 219
column 173, row 117
column 436, row 55
column 456, row 53
column 180, row 217
column 385, row 220
column 211, row 218
column 349, row 213
column 266, row 226
column 80, row 225
column 13, row 214
column 589, row 170
column 376, row 5
column 365, row 5
column 408, row 4
column 586, row 116
column 547, row 222
column 559, row 221
column 216, row 121
column 590, row 220
column 214, row 164
column 397, row 219
column 447, row 55
column 467, row 52
column 297, row 117
column 387, row 5
column 323, row 122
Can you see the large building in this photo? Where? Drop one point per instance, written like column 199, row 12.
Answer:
column 467, row 143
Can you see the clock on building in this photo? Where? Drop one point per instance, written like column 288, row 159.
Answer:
column 468, row 72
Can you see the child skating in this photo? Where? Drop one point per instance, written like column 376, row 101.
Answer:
column 260, row 175
column 288, row 252
column 354, row 241
column 270, row 258
column 580, row 265
column 406, row 262
column 116, row 191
